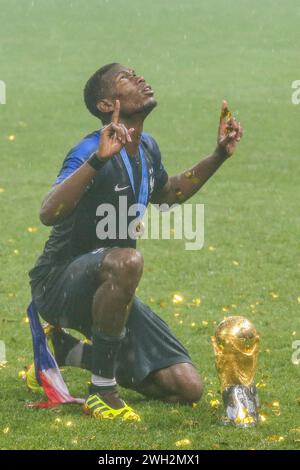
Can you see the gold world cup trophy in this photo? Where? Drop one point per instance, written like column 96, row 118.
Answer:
column 236, row 345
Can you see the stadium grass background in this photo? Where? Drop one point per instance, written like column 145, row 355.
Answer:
column 194, row 54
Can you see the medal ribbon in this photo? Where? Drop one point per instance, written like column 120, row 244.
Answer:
column 142, row 197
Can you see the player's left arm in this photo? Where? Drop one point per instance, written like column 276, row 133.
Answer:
column 181, row 187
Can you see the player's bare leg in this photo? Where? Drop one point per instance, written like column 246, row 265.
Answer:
column 119, row 275
column 179, row 383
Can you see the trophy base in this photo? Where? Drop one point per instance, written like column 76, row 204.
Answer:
column 241, row 406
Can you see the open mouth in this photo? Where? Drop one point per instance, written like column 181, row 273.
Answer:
column 147, row 90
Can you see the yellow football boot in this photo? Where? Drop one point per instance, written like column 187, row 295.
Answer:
column 96, row 407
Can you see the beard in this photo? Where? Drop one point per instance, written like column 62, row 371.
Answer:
column 141, row 111
column 148, row 107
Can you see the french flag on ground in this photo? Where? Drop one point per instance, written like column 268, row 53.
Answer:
column 46, row 369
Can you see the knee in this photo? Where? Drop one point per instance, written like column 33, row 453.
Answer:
column 180, row 383
column 124, row 266
column 192, row 391
column 131, row 263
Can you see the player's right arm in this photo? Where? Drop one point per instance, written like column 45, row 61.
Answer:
column 62, row 199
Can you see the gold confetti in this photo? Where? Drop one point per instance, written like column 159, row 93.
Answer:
column 193, row 324
column 179, row 194
column 180, row 322
column 243, row 417
column 212, row 248
column 261, row 385
column 274, row 438
column 6, row 430
column 16, row 252
column 183, row 443
column 225, row 309
column 32, row 229
column 11, row 138
column 295, row 430
column 197, row 301
column 294, row 333
column 191, row 176
column 262, row 418
column 216, row 446
column 69, row 424
column 204, row 322
column 275, row 407
column 274, row 295
column 177, row 298
column 214, row 403
column 248, row 420
column 25, row 320
column 176, row 315
column 57, row 420
column 2, row 190
column 235, row 263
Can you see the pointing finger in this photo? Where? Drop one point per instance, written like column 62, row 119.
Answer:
column 116, row 113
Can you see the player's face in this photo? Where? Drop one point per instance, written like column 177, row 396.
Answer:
column 135, row 95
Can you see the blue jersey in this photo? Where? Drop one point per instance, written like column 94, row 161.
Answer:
column 76, row 234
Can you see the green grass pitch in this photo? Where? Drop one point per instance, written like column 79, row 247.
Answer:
column 194, row 54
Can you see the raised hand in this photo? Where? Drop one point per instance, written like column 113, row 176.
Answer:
column 230, row 132
column 114, row 136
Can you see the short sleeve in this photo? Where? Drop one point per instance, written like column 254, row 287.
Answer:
column 77, row 156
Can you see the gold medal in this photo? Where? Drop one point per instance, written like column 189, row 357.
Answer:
column 139, row 229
